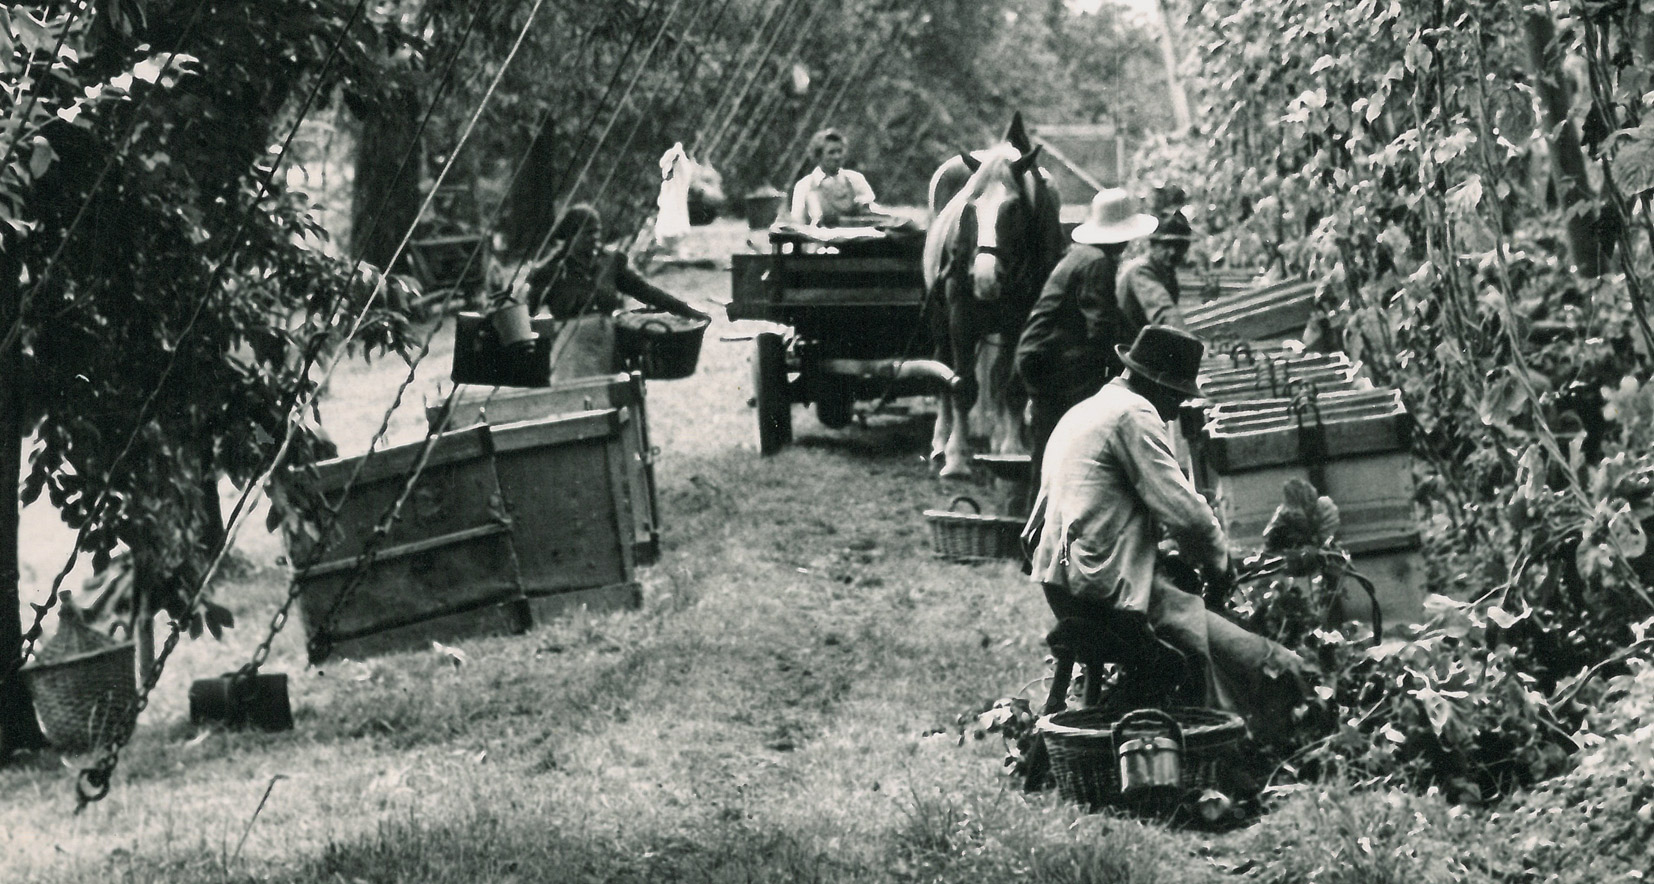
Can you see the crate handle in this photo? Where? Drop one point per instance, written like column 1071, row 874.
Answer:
column 963, row 499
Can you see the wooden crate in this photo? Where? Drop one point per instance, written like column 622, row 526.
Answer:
column 443, row 569
column 475, row 405
column 1249, row 450
column 1271, row 312
column 563, row 480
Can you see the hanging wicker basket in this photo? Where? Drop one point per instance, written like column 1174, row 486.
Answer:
column 663, row 346
column 83, row 685
column 969, row 537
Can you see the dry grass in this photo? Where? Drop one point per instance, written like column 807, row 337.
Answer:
column 761, row 719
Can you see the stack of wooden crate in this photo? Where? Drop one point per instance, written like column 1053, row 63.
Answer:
column 506, row 522
column 1314, row 417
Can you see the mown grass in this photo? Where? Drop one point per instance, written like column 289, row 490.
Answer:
column 764, row 717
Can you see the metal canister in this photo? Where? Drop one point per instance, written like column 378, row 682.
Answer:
column 1152, row 757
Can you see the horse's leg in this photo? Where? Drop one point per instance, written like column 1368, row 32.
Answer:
column 1007, row 411
column 962, row 334
column 937, row 312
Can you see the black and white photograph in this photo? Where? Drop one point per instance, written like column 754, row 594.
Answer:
column 875, row 441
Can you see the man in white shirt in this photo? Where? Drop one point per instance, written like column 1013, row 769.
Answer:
column 831, row 193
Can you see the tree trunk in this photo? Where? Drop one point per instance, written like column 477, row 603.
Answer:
column 532, row 202
column 1589, row 251
column 18, row 728
column 386, row 198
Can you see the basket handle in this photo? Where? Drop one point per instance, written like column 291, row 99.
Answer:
column 963, row 499
column 647, row 323
column 1144, row 716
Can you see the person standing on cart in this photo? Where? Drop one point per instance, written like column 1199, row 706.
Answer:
column 581, row 283
column 830, row 193
column 1066, row 350
column 1109, row 488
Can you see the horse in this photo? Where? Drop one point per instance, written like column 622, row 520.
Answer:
column 995, row 234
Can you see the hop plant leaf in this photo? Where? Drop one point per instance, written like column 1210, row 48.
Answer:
column 1305, row 519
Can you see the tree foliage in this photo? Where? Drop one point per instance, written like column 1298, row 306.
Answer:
column 1456, row 176
column 173, row 296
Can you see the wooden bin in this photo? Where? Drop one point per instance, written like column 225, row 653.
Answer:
column 444, row 571
column 475, row 405
column 564, row 484
column 1248, row 451
column 1270, row 312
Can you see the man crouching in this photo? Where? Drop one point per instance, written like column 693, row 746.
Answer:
column 1109, row 484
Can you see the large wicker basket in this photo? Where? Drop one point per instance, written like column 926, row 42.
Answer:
column 1085, row 765
column 84, row 700
column 968, row 537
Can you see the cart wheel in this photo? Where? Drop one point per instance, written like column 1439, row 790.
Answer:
column 835, row 405
column 769, row 382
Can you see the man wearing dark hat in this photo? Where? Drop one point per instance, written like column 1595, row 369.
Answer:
column 1147, row 287
column 1066, row 351
column 1109, row 487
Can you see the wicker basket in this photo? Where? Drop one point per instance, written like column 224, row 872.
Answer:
column 1086, row 768
column 664, row 347
column 84, row 684
column 972, row 536
column 84, row 700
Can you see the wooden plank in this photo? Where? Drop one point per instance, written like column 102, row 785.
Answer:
column 508, row 618
column 418, row 547
column 449, row 496
column 418, row 586
column 452, row 447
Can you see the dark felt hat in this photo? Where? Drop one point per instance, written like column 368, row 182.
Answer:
column 1167, row 356
column 1173, row 228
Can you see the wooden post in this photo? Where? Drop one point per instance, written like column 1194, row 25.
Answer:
column 18, row 728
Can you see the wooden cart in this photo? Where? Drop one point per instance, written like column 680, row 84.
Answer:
column 856, row 327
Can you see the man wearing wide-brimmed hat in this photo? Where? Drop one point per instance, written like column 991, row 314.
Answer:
column 1109, row 487
column 1066, row 351
column 1147, row 286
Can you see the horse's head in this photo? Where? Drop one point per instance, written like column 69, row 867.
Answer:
column 998, row 223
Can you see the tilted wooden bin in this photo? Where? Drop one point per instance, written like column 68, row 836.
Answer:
column 504, row 524
column 475, row 405
column 1270, row 312
column 444, row 570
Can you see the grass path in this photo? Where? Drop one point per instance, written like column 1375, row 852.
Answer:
column 762, row 718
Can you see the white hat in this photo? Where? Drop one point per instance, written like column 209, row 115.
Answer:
column 1114, row 218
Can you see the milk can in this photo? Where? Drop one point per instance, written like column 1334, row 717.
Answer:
column 1149, row 746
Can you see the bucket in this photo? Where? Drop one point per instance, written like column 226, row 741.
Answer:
column 1152, row 760
column 762, row 206
column 510, row 323
column 662, row 346
column 233, row 700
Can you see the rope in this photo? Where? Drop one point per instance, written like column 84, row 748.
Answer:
column 720, row 106
column 93, row 783
column 774, row 99
column 716, row 140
